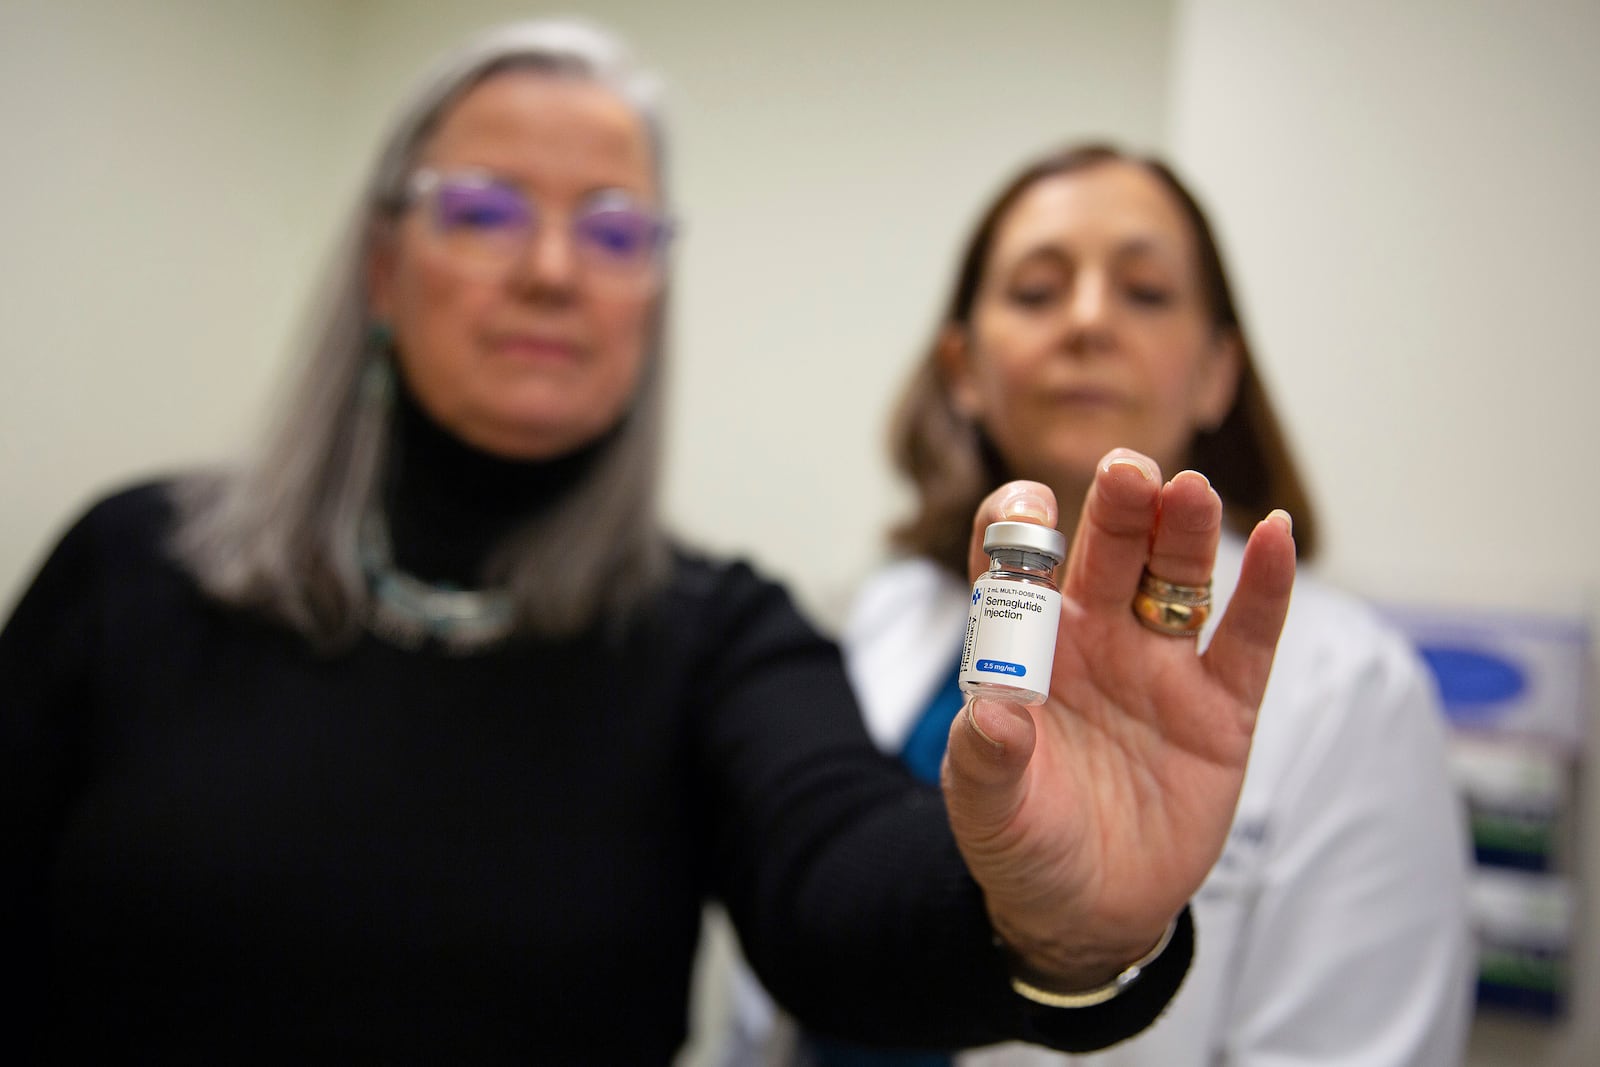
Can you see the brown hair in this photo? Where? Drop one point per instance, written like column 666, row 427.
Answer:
column 953, row 465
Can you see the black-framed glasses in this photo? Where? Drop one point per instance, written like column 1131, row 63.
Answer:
column 487, row 223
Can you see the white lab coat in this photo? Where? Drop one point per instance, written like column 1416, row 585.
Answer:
column 1334, row 929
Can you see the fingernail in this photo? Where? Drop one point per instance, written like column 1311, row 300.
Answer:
column 972, row 721
column 1124, row 458
column 1193, row 474
column 1282, row 517
column 1026, row 505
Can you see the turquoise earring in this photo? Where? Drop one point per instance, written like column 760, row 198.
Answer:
column 377, row 376
column 380, row 336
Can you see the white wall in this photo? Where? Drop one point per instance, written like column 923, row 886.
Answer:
column 160, row 205
column 1408, row 191
column 1408, row 194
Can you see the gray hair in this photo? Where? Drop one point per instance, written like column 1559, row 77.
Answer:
column 280, row 534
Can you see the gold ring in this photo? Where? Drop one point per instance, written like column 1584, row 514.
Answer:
column 1171, row 609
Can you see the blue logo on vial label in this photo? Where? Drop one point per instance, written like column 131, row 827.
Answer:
column 1000, row 666
column 976, row 596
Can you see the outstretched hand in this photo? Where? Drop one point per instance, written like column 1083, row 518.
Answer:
column 1091, row 820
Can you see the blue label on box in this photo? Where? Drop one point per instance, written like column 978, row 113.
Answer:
column 1473, row 678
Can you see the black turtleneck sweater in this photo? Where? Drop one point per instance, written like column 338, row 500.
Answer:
column 224, row 846
column 449, row 506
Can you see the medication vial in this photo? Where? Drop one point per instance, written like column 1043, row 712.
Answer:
column 1011, row 629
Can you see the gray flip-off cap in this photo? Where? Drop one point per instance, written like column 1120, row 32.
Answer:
column 1029, row 536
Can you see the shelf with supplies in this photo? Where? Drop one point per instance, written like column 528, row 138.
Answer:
column 1517, row 691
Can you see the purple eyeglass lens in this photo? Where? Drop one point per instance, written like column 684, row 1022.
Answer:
column 469, row 206
column 620, row 233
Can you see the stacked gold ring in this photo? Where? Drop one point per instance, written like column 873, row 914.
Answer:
column 1172, row 609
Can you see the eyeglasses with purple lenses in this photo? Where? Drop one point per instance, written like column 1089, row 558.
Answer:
column 488, row 222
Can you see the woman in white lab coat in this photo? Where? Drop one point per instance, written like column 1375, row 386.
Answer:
column 1092, row 310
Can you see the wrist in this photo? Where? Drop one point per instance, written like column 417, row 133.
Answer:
column 1078, row 982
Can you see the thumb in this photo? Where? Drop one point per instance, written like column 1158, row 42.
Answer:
column 991, row 742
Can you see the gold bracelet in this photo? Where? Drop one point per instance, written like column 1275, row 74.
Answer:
column 1099, row 994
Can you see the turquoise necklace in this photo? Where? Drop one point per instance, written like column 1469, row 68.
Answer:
column 410, row 613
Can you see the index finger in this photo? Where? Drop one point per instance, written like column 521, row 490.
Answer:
column 1019, row 501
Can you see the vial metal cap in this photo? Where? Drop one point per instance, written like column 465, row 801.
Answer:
column 1029, row 536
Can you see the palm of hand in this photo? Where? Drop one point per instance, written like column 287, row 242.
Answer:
column 1140, row 744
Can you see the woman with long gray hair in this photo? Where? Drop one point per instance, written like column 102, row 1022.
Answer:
column 414, row 738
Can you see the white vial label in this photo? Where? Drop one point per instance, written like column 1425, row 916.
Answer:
column 1011, row 639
